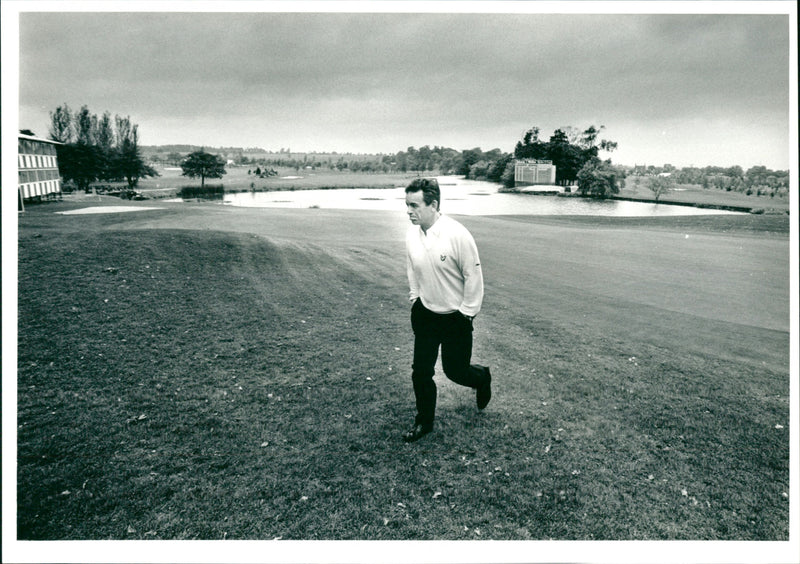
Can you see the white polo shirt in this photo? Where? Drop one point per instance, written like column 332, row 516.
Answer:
column 444, row 269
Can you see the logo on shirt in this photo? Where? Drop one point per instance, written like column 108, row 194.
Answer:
column 443, row 257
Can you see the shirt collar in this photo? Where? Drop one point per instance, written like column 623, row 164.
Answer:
column 434, row 229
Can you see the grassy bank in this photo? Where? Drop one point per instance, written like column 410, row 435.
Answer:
column 183, row 383
column 243, row 179
column 692, row 194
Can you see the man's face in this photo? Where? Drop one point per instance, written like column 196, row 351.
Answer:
column 419, row 212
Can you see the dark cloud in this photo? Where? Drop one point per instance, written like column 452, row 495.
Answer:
column 365, row 80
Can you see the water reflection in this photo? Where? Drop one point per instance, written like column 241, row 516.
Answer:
column 206, row 198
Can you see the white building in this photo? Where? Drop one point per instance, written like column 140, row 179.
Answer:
column 37, row 164
column 528, row 172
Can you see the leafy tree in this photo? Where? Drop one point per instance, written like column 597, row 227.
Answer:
column 531, row 147
column 599, row 178
column 412, row 159
column 509, row 174
column 571, row 161
column 567, row 158
column 105, row 132
column 204, row 165
column 174, row 158
column 78, row 163
column 734, row 171
column 131, row 167
column 104, row 136
column 758, row 175
column 86, row 126
column 424, row 158
column 568, row 149
column 589, row 141
column 479, row 169
column 498, row 169
column 574, row 135
column 660, row 185
column 97, row 149
column 128, row 162
column 468, row 158
column 61, row 125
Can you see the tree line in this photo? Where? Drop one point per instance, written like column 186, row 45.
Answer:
column 568, row 148
column 97, row 147
column 573, row 152
column 439, row 159
column 757, row 180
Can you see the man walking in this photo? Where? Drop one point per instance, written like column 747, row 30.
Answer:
column 446, row 291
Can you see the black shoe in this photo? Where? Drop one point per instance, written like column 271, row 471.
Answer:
column 417, row 432
column 484, row 393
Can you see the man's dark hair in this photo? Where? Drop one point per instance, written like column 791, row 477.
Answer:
column 429, row 188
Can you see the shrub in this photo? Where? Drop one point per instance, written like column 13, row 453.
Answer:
column 508, row 175
column 208, row 191
column 599, row 178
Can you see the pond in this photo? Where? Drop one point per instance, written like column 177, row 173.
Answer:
column 459, row 196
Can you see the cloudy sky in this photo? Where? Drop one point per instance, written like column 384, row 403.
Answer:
column 680, row 89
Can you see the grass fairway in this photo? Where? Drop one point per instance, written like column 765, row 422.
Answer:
column 240, row 179
column 696, row 195
column 202, row 372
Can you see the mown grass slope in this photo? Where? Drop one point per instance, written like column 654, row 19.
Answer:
column 206, row 384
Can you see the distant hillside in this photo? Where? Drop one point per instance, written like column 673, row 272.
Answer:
column 162, row 153
column 186, row 149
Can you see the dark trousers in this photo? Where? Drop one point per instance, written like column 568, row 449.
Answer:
column 453, row 332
